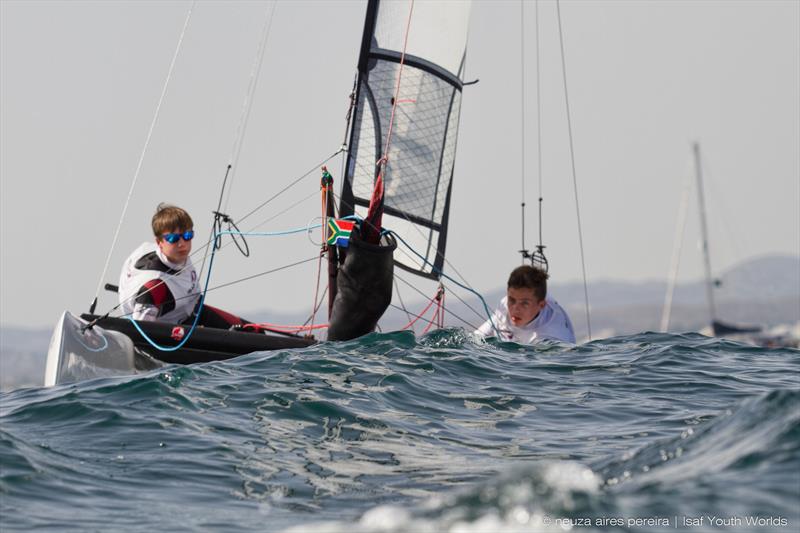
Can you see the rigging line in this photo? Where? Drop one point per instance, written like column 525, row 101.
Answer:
column 677, row 246
column 425, row 296
column 216, row 221
column 303, row 229
column 385, row 157
column 717, row 208
column 538, row 122
column 431, row 301
column 208, row 243
column 272, row 271
column 276, row 215
column 324, row 227
column 454, row 293
column 295, row 182
column 442, row 308
column 434, row 318
column 204, row 248
column 314, row 305
column 344, row 148
column 144, row 151
column 574, row 176
column 349, row 116
column 429, row 321
column 416, row 228
column 408, row 255
column 523, row 250
column 316, row 309
column 273, row 217
column 476, row 293
column 402, row 303
column 214, row 237
column 250, row 231
column 247, row 105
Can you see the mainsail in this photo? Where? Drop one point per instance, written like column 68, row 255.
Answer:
column 427, row 41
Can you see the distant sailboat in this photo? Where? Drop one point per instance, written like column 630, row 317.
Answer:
column 718, row 327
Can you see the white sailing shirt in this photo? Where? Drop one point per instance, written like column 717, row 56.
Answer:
column 148, row 263
column 551, row 323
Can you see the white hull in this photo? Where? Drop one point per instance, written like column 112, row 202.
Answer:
column 77, row 354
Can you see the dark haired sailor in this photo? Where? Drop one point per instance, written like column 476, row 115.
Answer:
column 159, row 281
column 526, row 315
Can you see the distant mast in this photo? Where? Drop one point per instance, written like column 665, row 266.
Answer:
column 704, row 232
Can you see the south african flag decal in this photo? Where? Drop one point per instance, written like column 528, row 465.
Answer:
column 339, row 231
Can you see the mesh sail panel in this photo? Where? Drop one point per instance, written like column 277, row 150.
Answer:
column 417, row 179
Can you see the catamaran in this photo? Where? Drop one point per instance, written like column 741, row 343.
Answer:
column 716, row 327
column 396, row 189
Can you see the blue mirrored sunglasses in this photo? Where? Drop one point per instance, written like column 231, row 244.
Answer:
column 172, row 238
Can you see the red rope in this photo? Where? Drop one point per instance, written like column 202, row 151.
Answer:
column 420, row 315
column 442, row 307
column 324, row 189
column 373, row 221
column 385, row 158
column 432, row 321
column 283, row 328
column 438, row 316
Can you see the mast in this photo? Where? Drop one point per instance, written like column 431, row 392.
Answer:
column 704, row 233
column 330, row 249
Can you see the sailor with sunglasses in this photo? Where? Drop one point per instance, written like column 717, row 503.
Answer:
column 159, row 281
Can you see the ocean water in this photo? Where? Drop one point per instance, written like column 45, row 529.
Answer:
column 651, row 432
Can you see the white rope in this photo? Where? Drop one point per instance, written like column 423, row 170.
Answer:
column 522, row 118
column 574, row 176
column 677, row 247
column 241, row 127
column 538, row 121
column 247, row 105
column 144, row 150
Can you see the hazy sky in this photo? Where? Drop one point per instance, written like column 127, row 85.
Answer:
column 80, row 82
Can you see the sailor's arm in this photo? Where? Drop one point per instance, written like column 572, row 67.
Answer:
column 488, row 328
column 151, row 301
column 145, row 312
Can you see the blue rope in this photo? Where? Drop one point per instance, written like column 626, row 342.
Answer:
column 196, row 318
column 185, row 339
column 105, row 343
column 437, row 271
column 289, row 232
column 267, row 233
